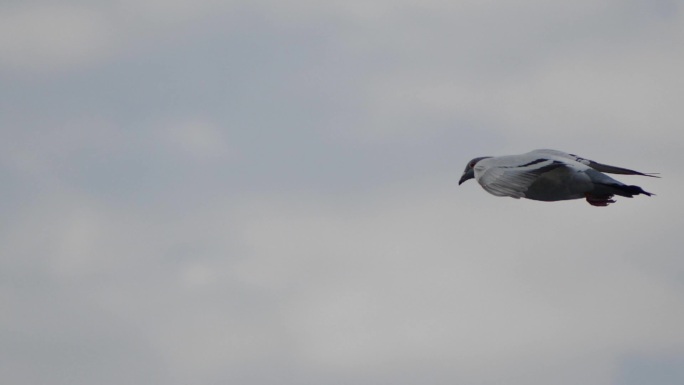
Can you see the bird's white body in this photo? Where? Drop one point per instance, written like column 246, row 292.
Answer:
column 550, row 175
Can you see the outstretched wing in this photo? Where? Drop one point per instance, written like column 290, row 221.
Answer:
column 514, row 180
column 595, row 165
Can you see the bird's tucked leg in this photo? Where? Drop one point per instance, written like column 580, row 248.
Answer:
column 599, row 200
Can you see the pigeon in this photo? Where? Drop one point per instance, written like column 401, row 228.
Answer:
column 551, row 175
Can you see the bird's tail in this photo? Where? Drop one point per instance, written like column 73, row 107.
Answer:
column 626, row 190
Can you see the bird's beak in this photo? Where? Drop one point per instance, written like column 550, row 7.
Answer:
column 469, row 174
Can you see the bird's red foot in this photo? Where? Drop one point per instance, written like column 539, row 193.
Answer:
column 599, row 200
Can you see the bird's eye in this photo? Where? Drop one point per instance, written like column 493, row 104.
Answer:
column 472, row 164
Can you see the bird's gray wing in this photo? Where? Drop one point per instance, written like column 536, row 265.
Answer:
column 595, row 165
column 514, row 180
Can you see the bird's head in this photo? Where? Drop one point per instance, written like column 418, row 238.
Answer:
column 469, row 172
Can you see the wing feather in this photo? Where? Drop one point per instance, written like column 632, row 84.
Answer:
column 595, row 165
column 513, row 181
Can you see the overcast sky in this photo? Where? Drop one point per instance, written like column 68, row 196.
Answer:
column 265, row 192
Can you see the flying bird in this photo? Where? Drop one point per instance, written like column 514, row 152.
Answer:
column 551, row 175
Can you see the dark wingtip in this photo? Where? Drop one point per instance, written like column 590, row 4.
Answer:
column 619, row 170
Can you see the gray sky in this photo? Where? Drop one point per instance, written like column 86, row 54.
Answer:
column 263, row 192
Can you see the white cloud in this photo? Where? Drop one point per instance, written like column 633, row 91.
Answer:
column 567, row 74
column 628, row 92
column 46, row 37
column 164, row 13
column 197, row 138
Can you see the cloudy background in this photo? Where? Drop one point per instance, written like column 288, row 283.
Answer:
column 263, row 192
